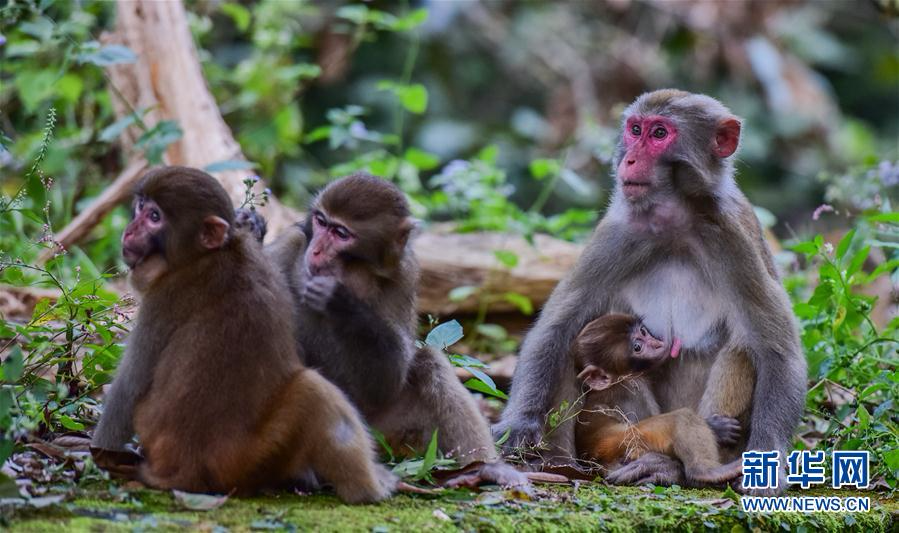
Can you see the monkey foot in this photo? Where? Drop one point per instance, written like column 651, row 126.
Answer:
column 652, row 468
column 119, row 463
column 478, row 473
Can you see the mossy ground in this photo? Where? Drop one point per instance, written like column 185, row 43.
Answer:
column 587, row 507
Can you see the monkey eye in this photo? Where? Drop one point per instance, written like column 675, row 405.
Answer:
column 140, row 204
column 660, row 132
column 342, row 233
column 638, row 347
column 154, row 215
column 643, row 331
column 635, row 130
column 320, row 220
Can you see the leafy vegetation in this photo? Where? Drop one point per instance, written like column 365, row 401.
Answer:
column 416, row 97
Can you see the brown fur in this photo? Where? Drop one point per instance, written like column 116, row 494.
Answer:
column 607, row 433
column 365, row 340
column 211, row 379
column 689, row 256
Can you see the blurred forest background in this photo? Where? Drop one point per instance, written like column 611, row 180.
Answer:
column 499, row 116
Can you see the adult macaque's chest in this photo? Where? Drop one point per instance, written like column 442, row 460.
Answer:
column 674, row 300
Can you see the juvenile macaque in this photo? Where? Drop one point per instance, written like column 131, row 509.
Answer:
column 620, row 420
column 354, row 289
column 680, row 245
column 210, row 381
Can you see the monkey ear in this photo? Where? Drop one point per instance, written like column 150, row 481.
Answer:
column 595, row 377
column 407, row 227
column 215, row 232
column 727, row 137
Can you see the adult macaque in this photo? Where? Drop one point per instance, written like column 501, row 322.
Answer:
column 210, row 380
column 680, row 245
column 620, row 419
column 354, row 293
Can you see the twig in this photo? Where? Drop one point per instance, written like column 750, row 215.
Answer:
column 81, row 225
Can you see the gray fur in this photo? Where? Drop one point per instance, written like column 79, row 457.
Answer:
column 712, row 237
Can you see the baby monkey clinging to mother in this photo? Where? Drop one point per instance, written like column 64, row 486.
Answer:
column 621, row 420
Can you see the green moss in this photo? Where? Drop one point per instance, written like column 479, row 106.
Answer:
column 588, row 507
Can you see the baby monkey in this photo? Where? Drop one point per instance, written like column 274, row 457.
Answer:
column 620, row 420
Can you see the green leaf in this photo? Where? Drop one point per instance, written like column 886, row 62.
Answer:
column 507, row 258
column 492, row 331
column 445, row 335
column 35, row 86
column 855, row 264
column 844, row 244
column 111, row 132
column 69, row 423
column 891, row 458
column 871, row 390
column 239, row 14
column 882, row 268
column 488, row 154
column 730, row 494
column 155, row 140
column 480, row 386
column 459, row 294
column 318, row 134
column 540, row 168
column 69, row 87
column 421, row 160
column 231, row 164
column 354, row 13
column 415, row 18
column 414, row 98
column 522, row 302
column 892, row 218
column 463, row 361
column 864, row 418
column 429, row 459
column 103, row 56
column 804, row 310
column 13, row 365
column 807, row 247
column 382, row 442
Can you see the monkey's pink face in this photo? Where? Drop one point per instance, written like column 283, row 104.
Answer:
column 143, row 236
column 329, row 239
column 645, row 140
column 647, row 351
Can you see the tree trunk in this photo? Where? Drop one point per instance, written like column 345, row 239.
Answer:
column 168, row 80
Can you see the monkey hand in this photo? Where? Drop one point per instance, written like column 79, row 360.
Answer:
column 251, row 221
column 521, row 433
column 318, row 292
column 726, row 429
column 119, row 463
column 496, row 473
column 652, row 467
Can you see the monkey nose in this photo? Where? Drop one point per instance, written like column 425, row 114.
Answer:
column 631, row 161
